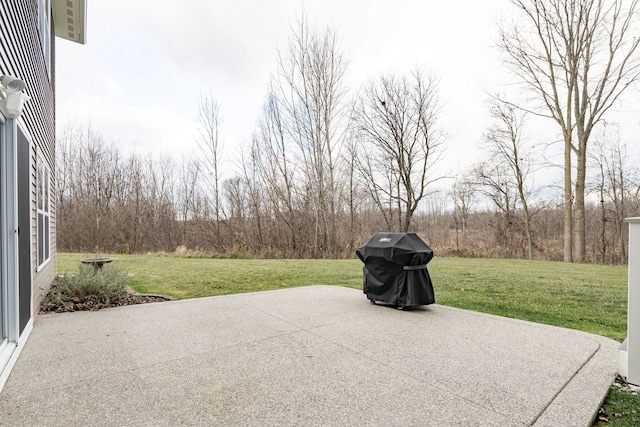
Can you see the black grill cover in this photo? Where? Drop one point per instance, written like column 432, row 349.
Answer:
column 395, row 269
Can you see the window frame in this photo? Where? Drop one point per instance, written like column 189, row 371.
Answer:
column 44, row 27
column 43, row 207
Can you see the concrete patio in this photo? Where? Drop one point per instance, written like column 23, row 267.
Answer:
column 320, row 355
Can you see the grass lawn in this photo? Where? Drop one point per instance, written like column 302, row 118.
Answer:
column 591, row 298
column 587, row 297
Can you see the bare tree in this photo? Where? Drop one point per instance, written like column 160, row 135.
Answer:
column 187, row 195
column 463, row 195
column 236, row 194
column 354, row 191
column 251, row 167
column 272, row 155
column 210, row 145
column 310, row 90
column 615, row 182
column 576, row 57
column 600, row 185
column 505, row 144
column 396, row 121
column 494, row 181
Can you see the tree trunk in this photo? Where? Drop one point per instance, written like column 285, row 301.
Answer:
column 579, row 218
column 527, row 231
column 603, row 229
column 568, row 202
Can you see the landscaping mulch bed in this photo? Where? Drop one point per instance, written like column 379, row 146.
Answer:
column 79, row 304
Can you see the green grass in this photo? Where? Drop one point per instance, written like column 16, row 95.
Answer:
column 591, row 298
column 200, row 277
column 623, row 409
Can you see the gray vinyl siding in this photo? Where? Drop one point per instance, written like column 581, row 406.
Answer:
column 21, row 55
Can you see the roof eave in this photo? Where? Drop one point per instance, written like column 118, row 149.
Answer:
column 70, row 19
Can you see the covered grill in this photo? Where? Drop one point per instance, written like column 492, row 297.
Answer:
column 395, row 269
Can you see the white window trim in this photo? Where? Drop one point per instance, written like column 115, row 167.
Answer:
column 44, row 26
column 46, row 213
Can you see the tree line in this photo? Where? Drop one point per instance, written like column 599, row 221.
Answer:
column 116, row 203
column 325, row 168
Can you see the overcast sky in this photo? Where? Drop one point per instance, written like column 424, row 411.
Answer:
column 146, row 62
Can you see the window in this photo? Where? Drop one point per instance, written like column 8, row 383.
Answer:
column 44, row 214
column 44, row 25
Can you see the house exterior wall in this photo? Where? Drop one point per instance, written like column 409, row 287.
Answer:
column 22, row 55
column 27, row 160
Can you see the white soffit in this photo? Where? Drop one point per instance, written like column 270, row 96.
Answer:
column 70, row 19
